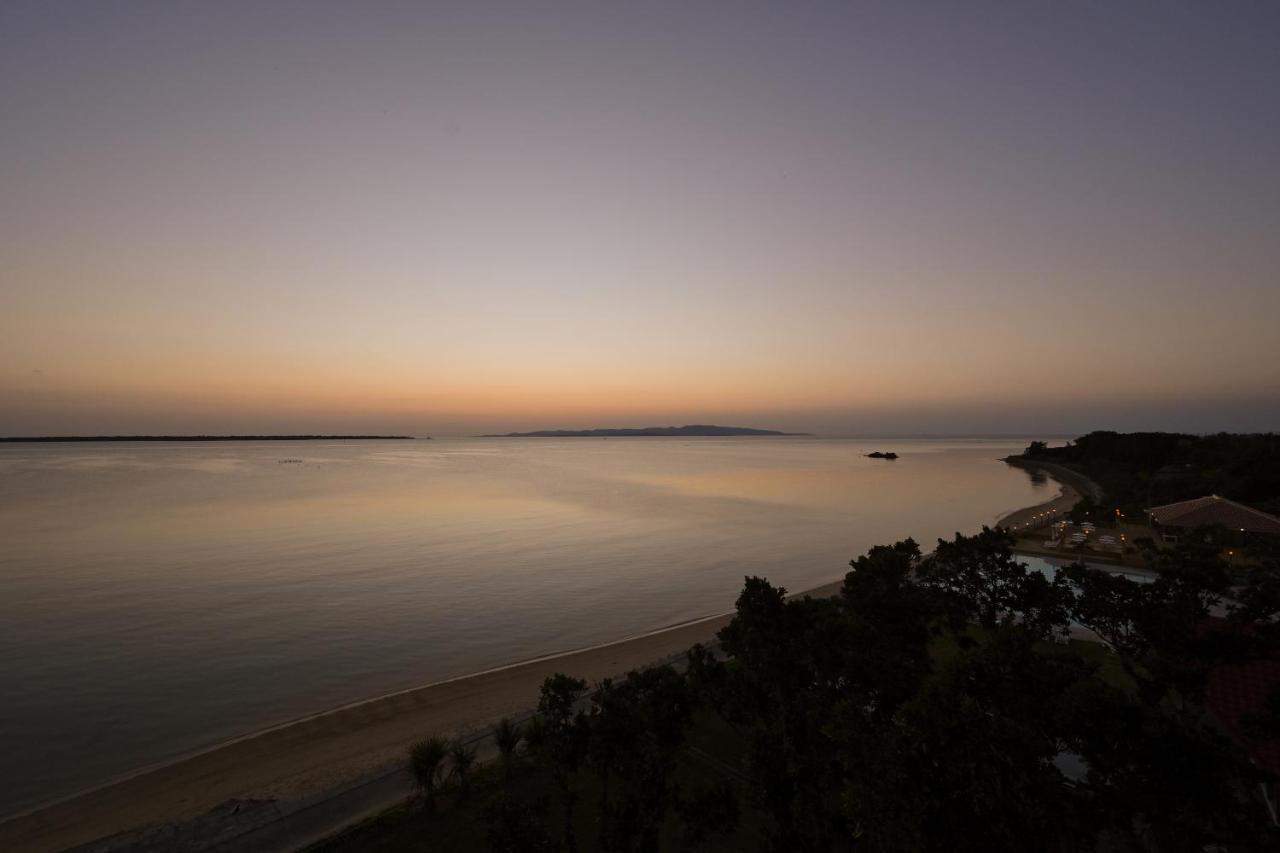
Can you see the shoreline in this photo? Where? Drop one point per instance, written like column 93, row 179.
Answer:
column 304, row 718
column 245, row 784
column 271, row 773
column 1072, row 486
column 188, row 439
column 1065, row 500
column 1060, row 474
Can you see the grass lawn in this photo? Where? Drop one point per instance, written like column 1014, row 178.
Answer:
column 1109, row 668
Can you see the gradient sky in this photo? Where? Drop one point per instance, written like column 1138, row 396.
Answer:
column 439, row 218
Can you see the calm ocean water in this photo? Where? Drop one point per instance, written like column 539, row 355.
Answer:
column 158, row 598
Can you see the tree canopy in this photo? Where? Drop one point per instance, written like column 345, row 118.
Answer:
column 933, row 705
column 1145, row 469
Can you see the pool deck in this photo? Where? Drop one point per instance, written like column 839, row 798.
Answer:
column 1032, row 542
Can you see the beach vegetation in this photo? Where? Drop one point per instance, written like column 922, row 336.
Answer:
column 637, row 730
column 513, row 826
column 1146, row 469
column 426, row 763
column 559, row 741
column 463, row 757
column 506, row 737
column 932, row 705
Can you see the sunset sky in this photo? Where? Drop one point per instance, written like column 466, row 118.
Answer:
column 432, row 218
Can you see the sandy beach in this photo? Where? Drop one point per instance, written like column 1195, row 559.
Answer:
column 1065, row 500
column 308, row 760
column 302, row 760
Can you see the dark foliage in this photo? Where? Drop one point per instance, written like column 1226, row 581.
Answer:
column 515, row 827
column 507, row 737
column 463, row 756
column 927, row 707
column 559, row 740
column 426, row 762
column 1146, row 469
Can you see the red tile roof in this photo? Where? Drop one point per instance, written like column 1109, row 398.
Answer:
column 1237, row 692
column 1215, row 511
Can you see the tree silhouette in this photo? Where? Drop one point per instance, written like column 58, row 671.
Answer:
column 560, row 740
column 426, row 762
column 638, row 727
column 463, row 757
column 923, row 709
column 507, row 737
column 515, row 827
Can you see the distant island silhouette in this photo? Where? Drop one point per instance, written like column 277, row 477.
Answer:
column 44, row 438
column 644, row 432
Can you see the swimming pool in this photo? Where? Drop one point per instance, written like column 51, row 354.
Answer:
column 1047, row 566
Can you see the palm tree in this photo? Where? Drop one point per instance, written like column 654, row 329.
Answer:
column 507, row 736
column 426, row 761
column 464, row 758
column 535, row 735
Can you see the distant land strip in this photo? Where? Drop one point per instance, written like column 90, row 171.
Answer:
column 51, row 438
column 644, row 432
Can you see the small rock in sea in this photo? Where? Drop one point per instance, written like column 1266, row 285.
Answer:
column 880, row 454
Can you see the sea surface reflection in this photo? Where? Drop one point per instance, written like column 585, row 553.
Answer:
column 157, row 598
